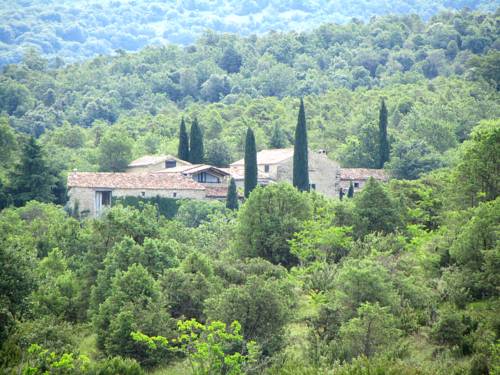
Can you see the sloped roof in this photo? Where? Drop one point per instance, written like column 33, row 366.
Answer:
column 154, row 159
column 272, row 156
column 363, row 174
column 219, row 192
column 167, row 181
column 194, row 168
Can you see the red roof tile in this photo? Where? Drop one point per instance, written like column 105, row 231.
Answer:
column 168, row 181
column 363, row 174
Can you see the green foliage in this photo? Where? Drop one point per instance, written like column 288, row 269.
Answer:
column 218, row 153
column 115, row 152
column 41, row 361
column 300, row 152
column 196, row 150
column 375, row 210
column 384, row 150
column 183, row 148
column 232, row 202
column 32, row 179
column 192, row 212
column 268, row 220
column 251, row 172
column 350, row 191
column 167, row 207
column 261, row 307
column 211, row 348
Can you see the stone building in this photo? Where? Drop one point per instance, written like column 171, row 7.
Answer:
column 277, row 165
column 92, row 192
column 359, row 177
column 154, row 163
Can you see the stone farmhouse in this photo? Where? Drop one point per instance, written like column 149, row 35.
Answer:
column 170, row 177
column 277, row 165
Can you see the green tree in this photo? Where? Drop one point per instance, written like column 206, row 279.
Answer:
column 250, row 163
column 232, row 196
column 370, row 332
column 115, row 152
column 32, row 179
column 300, row 152
column 268, row 220
column 231, row 60
column 261, row 308
column 196, row 151
column 218, row 153
column 350, row 191
column 7, row 142
column 278, row 139
column 383, row 139
column 183, row 149
column 375, row 210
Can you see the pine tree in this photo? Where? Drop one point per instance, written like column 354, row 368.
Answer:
column 232, row 196
column 300, row 157
column 250, row 163
column 277, row 139
column 183, row 151
column 32, row 179
column 196, row 152
column 350, row 192
column 383, row 141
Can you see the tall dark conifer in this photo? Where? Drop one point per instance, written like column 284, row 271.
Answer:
column 300, row 157
column 196, row 152
column 32, row 179
column 250, row 163
column 232, row 196
column 383, row 141
column 183, row 151
column 350, row 192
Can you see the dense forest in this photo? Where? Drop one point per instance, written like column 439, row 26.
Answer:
column 70, row 30
column 399, row 278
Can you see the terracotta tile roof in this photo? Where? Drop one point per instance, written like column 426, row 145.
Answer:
column 154, row 159
column 219, row 192
column 363, row 174
column 168, row 181
column 273, row 156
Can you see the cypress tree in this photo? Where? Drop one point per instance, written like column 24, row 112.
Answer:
column 250, row 163
column 183, row 151
column 341, row 194
column 383, row 141
column 350, row 192
column 32, row 179
column 300, row 157
column 232, row 196
column 196, row 153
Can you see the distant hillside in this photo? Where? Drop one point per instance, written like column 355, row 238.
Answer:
column 77, row 29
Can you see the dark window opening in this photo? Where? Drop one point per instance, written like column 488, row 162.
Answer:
column 202, row 177
column 266, row 168
column 174, row 194
column 312, row 186
column 170, row 163
column 356, row 184
column 106, row 198
column 143, row 193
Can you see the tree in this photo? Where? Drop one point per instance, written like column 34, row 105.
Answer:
column 218, row 153
column 115, row 152
column 32, row 179
column 7, row 142
column 232, row 196
column 375, row 211
column 268, row 220
column 260, row 306
column 278, row 139
column 250, row 163
column 383, row 140
column 371, row 331
column 300, row 156
column 350, row 192
column 231, row 60
column 183, row 150
column 196, row 152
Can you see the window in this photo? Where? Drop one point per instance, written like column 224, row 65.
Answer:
column 208, row 178
column 356, row 184
column 102, row 200
column 202, row 177
column 170, row 163
column 266, row 168
column 312, row 186
column 174, row 194
column 143, row 193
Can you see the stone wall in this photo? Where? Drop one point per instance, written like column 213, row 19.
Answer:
column 86, row 196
